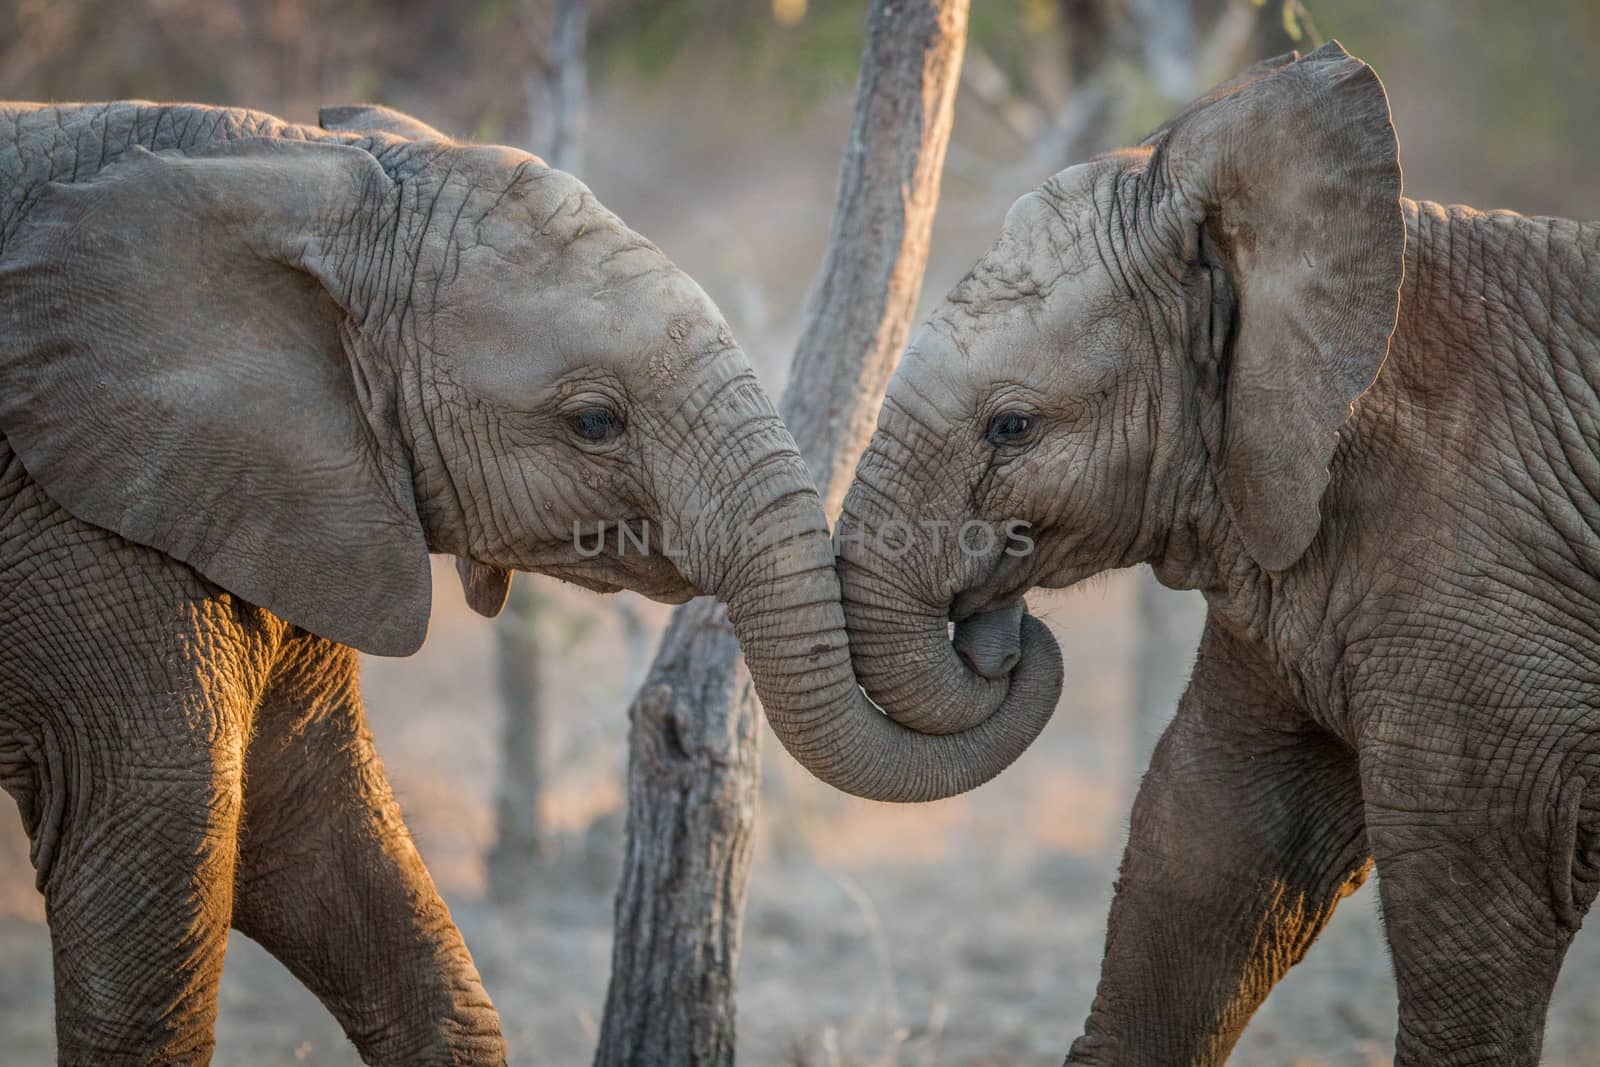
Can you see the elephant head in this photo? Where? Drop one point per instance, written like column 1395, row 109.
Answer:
column 300, row 363
column 1152, row 364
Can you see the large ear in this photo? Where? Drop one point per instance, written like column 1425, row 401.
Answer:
column 486, row 586
column 375, row 118
column 172, row 369
column 1253, row 73
column 1289, row 181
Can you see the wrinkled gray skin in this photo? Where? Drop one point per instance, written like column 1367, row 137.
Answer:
column 1401, row 661
column 251, row 374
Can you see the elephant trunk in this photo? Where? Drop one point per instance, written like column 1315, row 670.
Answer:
column 898, row 626
column 783, row 599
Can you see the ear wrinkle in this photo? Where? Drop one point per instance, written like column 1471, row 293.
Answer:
column 1215, row 329
column 377, row 404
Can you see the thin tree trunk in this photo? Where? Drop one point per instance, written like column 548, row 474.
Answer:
column 556, row 99
column 558, row 91
column 519, row 844
column 692, row 771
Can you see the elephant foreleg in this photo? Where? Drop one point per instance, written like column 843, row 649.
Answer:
column 139, row 892
column 1246, row 832
column 331, row 884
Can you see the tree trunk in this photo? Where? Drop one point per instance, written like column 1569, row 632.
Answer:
column 556, row 99
column 519, row 844
column 692, row 771
column 557, row 92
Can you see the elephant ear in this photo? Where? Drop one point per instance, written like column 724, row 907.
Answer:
column 485, row 586
column 1289, row 178
column 1253, row 73
column 172, row 370
column 375, row 118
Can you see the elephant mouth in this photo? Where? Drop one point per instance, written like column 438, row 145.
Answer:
column 603, row 560
column 997, row 591
column 662, row 584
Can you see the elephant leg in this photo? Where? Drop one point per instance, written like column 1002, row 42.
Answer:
column 138, row 884
column 1479, row 905
column 331, row 884
column 1246, row 833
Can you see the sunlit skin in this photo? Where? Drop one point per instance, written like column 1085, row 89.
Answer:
column 253, row 374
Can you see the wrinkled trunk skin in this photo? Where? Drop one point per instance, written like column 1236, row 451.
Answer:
column 783, row 598
column 897, row 601
column 800, row 660
column 754, row 535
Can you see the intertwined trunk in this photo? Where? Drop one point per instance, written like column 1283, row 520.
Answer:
column 692, row 773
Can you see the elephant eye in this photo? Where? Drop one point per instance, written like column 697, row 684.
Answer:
column 596, row 424
column 1008, row 427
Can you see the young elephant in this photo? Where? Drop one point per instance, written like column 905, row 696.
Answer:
column 251, row 374
column 1176, row 355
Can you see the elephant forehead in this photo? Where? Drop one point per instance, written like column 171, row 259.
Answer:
column 943, row 375
column 517, row 212
column 540, row 278
column 644, row 305
column 525, row 327
column 1065, row 341
column 1051, row 239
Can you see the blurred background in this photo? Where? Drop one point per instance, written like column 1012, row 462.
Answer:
column 965, row 932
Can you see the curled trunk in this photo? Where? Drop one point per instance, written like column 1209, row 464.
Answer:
column 784, row 603
column 897, row 614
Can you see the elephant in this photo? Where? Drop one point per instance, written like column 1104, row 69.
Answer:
column 252, row 374
column 1366, row 429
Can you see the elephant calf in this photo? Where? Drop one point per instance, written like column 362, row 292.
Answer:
column 1368, row 430
column 251, row 374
